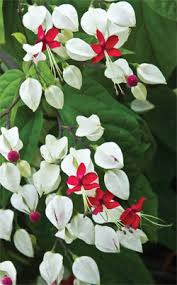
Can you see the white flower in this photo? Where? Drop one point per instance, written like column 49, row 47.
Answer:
column 71, row 162
column 94, row 19
column 140, row 106
column 10, row 176
column 132, row 239
column 73, row 76
column 59, row 211
column 150, row 74
column 34, row 52
column 24, row 168
column 26, row 200
column 117, row 182
column 54, row 96
column 6, row 223
column 51, row 268
column 122, row 14
column 85, row 269
column 89, row 127
column 9, row 271
column 66, row 234
column 65, row 17
column 139, row 91
column 10, row 141
column 109, row 156
column 79, row 50
column 108, row 216
column 106, row 239
column 54, row 149
column 23, row 242
column 30, row 93
column 82, row 228
column 36, row 16
column 41, row 178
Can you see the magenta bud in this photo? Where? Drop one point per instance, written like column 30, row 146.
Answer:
column 132, row 80
column 35, row 217
column 13, row 156
column 6, row 280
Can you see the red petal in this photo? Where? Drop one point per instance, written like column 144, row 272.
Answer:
column 72, row 180
column 81, row 171
column 136, row 222
column 74, row 189
column 96, row 48
column 92, row 201
column 97, row 210
column 44, row 47
column 90, row 186
column 89, row 178
column 111, row 42
column 41, row 33
column 100, row 37
column 108, row 196
column 98, row 58
column 114, row 52
column 99, row 193
column 111, row 205
column 139, row 204
column 125, row 214
column 54, row 44
column 51, row 34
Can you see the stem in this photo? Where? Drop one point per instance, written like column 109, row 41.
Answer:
column 59, row 124
column 8, row 110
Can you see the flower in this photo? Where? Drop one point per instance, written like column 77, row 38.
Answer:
column 82, row 179
column 117, row 182
column 10, row 144
column 30, row 93
column 85, row 269
column 131, row 217
column 54, row 149
column 108, row 216
column 106, row 239
column 79, row 50
column 6, row 224
column 109, row 156
column 140, row 106
column 51, row 268
column 73, row 76
column 48, row 39
column 10, row 176
column 41, row 180
column 34, row 52
column 65, row 17
column 105, row 47
column 102, row 200
column 150, row 74
column 9, row 271
column 24, row 168
column 23, row 242
column 89, row 127
column 54, row 96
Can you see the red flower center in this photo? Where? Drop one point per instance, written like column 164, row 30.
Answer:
column 6, row 280
column 35, row 217
column 132, row 80
column 48, row 39
column 13, row 156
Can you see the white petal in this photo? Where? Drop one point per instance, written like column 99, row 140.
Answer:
column 118, row 184
column 150, row 74
column 139, row 91
column 6, row 223
column 130, row 239
column 30, row 196
column 96, row 135
column 73, row 76
column 65, row 17
column 83, row 228
column 33, row 49
column 23, row 243
column 122, row 32
column 41, row 178
column 106, row 239
column 54, row 96
column 34, row 17
column 9, row 140
column 108, row 216
column 24, row 168
column 109, row 156
column 19, row 204
column 85, row 269
column 141, row 106
column 89, row 127
column 10, row 176
column 66, row 235
column 9, row 268
column 79, row 50
column 122, row 14
column 59, row 211
column 94, row 19
column 30, row 93
column 51, row 267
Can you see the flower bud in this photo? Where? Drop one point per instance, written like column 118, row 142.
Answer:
column 25, row 168
column 6, row 280
column 35, row 217
column 132, row 80
column 13, row 156
column 73, row 76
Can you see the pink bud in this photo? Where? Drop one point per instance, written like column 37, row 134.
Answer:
column 35, row 217
column 6, row 280
column 132, row 80
column 13, row 156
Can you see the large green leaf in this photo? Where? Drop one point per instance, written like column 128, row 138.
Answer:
column 166, row 9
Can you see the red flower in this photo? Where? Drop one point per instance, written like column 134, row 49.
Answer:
column 102, row 199
column 48, row 38
column 131, row 217
column 105, row 46
column 82, row 180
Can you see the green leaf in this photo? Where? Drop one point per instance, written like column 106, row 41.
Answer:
column 121, row 125
column 20, row 38
column 1, row 24
column 165, row 9
column 30, row 127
